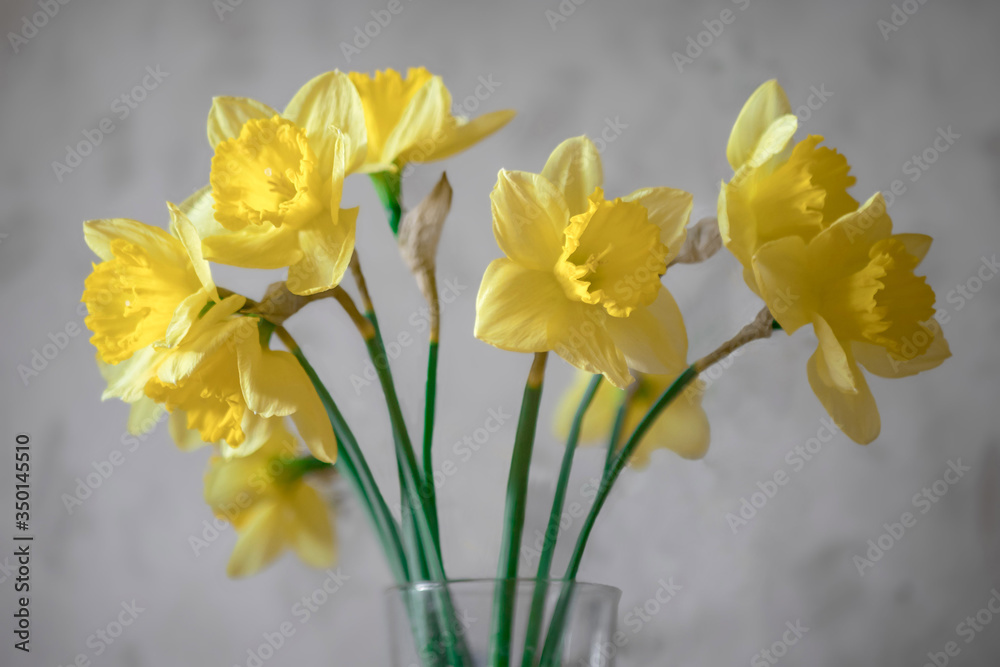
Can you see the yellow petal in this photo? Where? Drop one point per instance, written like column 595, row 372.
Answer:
column 516, row 306
column 830, row 172
column 848, row 240
column 683, row 428
column 127, row 379
column 384, row 97
column 260, row 541
column 463, row 134
column 328, row 101
column 766, row 105
column 529, row 216
column 781, row 269
column 199, row 208
column 600, row 416
column 584, row 341
column 327, row 251
column 311, row 531
column 228, row 114
column 653, row 338
column 274, row 384
column 186, row 439
column 854, row 412
column 574, row 168
column 668, row 209
column 426, row 114
column 834, row 364
column 772, row 148
column 880, row 361
column 144, row 415
column 916, row 244
column 183, row 229
column 255, row 248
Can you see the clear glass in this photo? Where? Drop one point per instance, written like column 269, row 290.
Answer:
column 417, row 612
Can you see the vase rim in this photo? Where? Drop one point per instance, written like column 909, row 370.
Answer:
column 431, row 584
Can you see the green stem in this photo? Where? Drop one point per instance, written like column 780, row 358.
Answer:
column 413, row 493
column 430, row 401
column 616, row 432
column 388, row 186
column 352, row 461
column 554, row 638
column 517, row 492
column 534, row 628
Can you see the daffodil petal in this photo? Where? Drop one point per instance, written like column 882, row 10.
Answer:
column 127, row 379
column 653, row 338
column 529, row 217
column 260, row 540
column 328, row 101
column 186, row 439
column 849, row 239
column 781, row 270
column 185, row 231
column 835, row 365
column 880, row 361
column 327, row 251
column 668, row 209
column 311, row 533
column 916, row 244
column 99, row 234
column 144, row 415
column 465, row 133
column 184, row 317
column 683, row 428
column 854, row 412
column 600, row 417
column 228, row 114
column 426, row 113
column 274, row 384
column 574, row 168
column 584, row 341
column 255, row 247
column 516, row 305
column 767, row 104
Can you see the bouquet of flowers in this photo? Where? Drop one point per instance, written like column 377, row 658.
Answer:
column 580, row 276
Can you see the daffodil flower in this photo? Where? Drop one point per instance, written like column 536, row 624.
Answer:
column 581, row 275
column 409, row 119
column 855, row 283
column 232, row 388
column 778, row 190
column 142, row 298
column 271, row 507
column 276, row 183
column 682, row 428
column 149, row 287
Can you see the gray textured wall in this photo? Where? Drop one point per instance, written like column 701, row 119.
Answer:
column 608, row 62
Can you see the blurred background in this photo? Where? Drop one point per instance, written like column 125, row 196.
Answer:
column 660, row 84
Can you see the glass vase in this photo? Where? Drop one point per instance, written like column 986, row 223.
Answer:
column 455, row 623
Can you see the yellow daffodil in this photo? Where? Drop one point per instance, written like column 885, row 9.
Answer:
column 854, row 282
column 232, row 388
column 409, row 119
column 682, row 428
column 581, row 275
column 271, row 506
column 149, row 287
column 274, row 195
column 778, row 190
